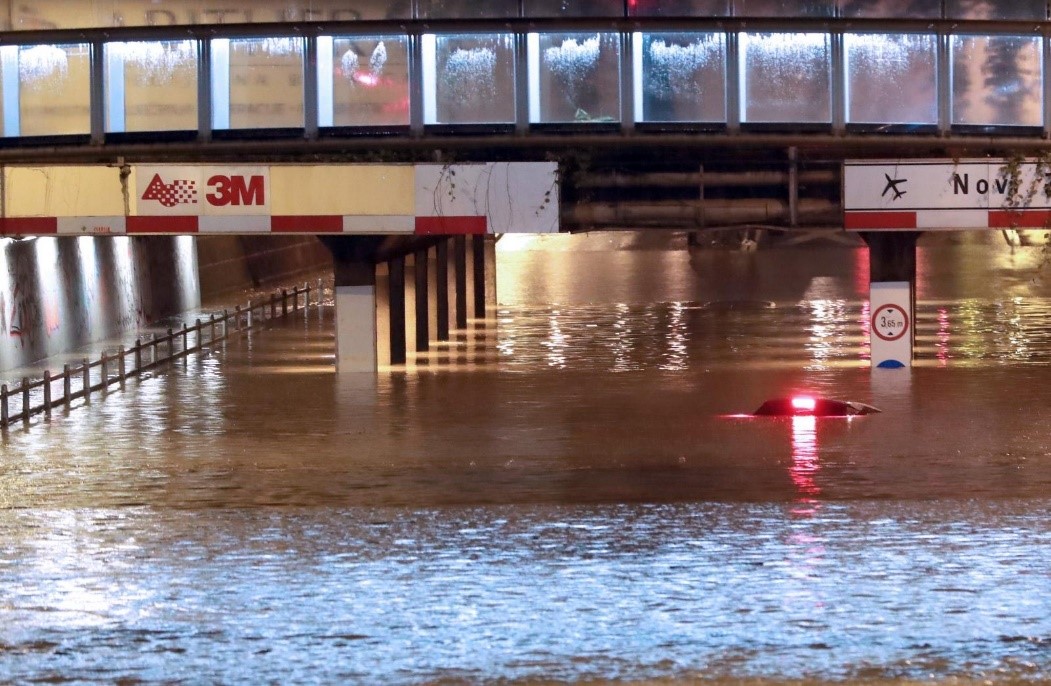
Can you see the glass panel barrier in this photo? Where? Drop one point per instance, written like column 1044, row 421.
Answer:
column 573, row 8
column 682, row 77
column 679, row 8
column 784, row 8
column 363, row 80
column 1015, row 10
column 891, row 78
column 467, row 9
column 785, row 77
column 997, row 81
column 891, row 9
column 42, row 15
column 54, row 84
column 151, row 86
column 574, row 77
column 262, row 85
column 469, row 79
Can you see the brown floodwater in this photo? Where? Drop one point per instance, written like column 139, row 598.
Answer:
column 569, row 491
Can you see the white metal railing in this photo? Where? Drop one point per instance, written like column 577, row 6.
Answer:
column 41, row 396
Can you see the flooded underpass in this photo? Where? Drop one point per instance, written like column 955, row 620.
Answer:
column 567, row 492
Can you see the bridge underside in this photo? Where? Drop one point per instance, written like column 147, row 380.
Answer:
column 669, row 179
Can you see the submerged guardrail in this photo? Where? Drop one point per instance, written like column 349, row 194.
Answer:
column 38, row 396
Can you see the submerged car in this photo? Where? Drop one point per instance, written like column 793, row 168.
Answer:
column 808, row 406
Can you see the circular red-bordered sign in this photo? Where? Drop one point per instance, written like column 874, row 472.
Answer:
column 889, row 322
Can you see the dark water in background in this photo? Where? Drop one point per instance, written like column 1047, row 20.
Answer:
column 563, row 493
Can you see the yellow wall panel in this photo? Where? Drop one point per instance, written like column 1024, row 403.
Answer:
column 62, row 192
column 339, row 190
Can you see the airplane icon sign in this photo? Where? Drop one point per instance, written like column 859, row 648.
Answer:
column 892, row 185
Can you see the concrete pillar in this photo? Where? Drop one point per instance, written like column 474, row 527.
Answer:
column 490, row 271
column 441, row 299
column 460, row 274
column 421, row 272
column 892, row 258
column 397, row 310
column 410, row 303
column 383, row 315
column 355, row 287
column 477, row 280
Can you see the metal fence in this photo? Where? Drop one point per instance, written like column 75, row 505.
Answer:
column 41, row 396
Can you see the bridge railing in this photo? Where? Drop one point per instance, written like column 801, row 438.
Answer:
column 114, row 367
column 311, row 81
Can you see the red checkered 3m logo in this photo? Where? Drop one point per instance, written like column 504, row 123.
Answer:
column 178, row 192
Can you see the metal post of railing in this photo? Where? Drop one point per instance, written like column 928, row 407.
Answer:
column 295, row 298
column 273, row 305
column 251, row 306
column 237, row 314
column 104, row 369
column 121, row 371
column 171, row 344
column 67, row 385
column 47, row 391
column 3, row 405
column 25, row 398
column 211, row 327
column 85, row 371
column 138, row 355
column 185, row 339
column 226, row 323
column 319, row 292
column 284, row 302
column 197, row 326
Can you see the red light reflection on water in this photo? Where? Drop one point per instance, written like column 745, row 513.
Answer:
column 805, row 465
column 943, row 337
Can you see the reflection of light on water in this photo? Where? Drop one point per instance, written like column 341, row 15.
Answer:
column 677, row 358
column 827, row 334
column 805, row 464
column 943, row 336
column 511, row 242
column 621, row 339
column 556, row 342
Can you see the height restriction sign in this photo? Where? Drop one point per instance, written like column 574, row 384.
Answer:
column 890, row 337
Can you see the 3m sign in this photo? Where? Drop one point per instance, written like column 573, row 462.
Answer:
column 208, row 191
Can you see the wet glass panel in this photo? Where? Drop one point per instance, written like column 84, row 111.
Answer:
column 158, row 80
column 1020, row 10
column 683, row 77
column 467, row 9
column 891, row 9
column 69, row 14
column 679, row 8
column 54, row 89
column 474, row 80
column 996, row 80
column 783, row 8
column 891, row 78
column 573, row 8
column 266, row 83
column 785, row 77
column 370, row 81
column 576, row 77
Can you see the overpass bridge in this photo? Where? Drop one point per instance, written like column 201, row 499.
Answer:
column 694, row 114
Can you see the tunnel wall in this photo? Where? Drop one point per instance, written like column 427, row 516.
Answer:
column 58, row 295
column 232, row 264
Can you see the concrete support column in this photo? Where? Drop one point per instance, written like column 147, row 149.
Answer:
column 396, row 268
column 355, row 316
column 490, row 271
column 478, row 270
column 441, row 288
column 892, row 259
column 460, row 278
column 422, row 310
